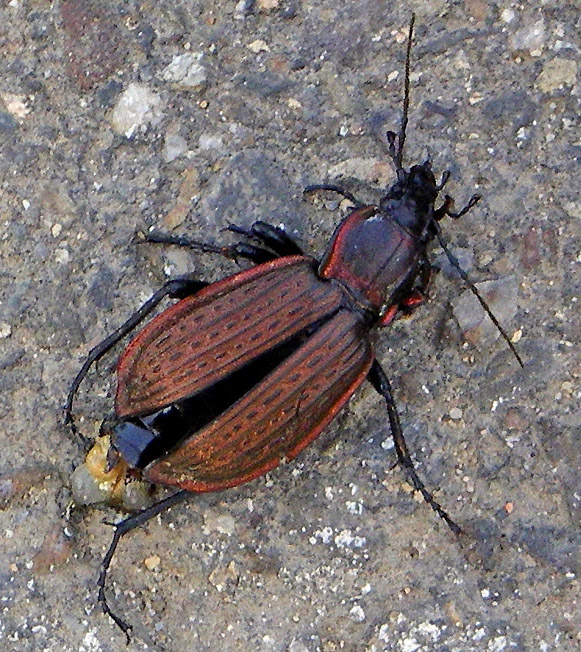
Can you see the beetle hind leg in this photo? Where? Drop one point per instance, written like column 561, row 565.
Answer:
column 121, row 529
column 382, row 385
column 176, row 288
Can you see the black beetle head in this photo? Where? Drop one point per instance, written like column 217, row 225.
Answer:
column 420, row 184
column 410, row 201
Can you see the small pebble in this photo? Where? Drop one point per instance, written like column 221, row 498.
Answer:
column 151, row 563
column 137, row 106
column 455, row 413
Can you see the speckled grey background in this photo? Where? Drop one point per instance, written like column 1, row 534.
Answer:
column 331, row 552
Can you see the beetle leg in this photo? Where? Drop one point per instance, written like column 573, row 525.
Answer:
column 449, row 202
column 176, row 288
column 419, row 295
column 121, row 529
column 243, row 250
column 441, row 212
column 471, row 202
column 382, row 385
column 333, row 188
column 253, row 253
column 388, row 316
column 273, row 237
column 391, row 137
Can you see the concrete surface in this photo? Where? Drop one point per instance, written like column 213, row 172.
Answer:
column 115, row 117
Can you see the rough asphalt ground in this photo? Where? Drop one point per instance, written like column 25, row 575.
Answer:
column 116, row 117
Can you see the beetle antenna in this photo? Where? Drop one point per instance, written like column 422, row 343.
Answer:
column 395, row 141
column 454, row 262
column 398, row 160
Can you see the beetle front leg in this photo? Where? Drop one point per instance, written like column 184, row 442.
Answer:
column 445, row 208
column 334, row 188
column 177, row 288
column 417, row 297
column 382, row 385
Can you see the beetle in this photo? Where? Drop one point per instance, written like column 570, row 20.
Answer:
column 242, row 374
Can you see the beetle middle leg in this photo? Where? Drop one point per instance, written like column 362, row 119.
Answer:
column 273, row 242
column 276, row 239
column 239, row 250
column 382, row 385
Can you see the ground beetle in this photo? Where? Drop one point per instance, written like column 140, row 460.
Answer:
column 242, row 374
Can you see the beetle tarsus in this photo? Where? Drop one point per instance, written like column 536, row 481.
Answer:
column 380, row 382
column 445, row 208
column 157, row 237
column 471, row 202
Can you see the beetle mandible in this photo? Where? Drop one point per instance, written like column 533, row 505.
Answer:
column 242, row 374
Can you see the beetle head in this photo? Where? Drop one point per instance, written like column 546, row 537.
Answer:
column 411, row 198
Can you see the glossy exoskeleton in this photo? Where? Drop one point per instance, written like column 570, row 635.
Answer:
column 242, row 374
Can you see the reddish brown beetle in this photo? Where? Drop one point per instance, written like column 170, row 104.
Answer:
column 242, row 374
